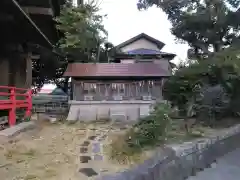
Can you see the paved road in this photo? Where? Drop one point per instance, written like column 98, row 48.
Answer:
column 227, row 168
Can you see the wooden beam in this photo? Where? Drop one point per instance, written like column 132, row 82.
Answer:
column 37, row 10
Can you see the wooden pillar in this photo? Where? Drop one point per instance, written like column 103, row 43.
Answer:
column 145, row 88
column 29, row 70
column 12, row 70
column 158, row 90
column 71, row 90
column 21, row 72
column 4, row 71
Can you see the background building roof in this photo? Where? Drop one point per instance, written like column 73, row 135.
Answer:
column 159, row 44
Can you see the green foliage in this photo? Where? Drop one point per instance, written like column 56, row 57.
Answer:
column 149, row 131
column 83, row 40
column 82, row 26
column 84, row 33
column 207, row 26
column 152, row 129
column 211, row 28
column 46, row 69
column 205, row 78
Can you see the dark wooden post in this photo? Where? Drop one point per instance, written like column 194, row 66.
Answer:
column 12, row 111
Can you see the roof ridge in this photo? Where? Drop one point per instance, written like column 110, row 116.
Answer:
column 159, row 43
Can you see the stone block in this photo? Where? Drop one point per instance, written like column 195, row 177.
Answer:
column 85, row 143
column 97, row 157
column 85, row 159
column 83, row 150
column 89, row 172
column 14, row 130
column 118, row 117
column 96, row 147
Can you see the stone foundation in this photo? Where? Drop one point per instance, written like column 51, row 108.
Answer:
column 114, row 110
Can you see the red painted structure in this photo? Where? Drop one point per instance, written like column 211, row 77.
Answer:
column 11, row 103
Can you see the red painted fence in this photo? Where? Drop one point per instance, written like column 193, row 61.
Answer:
column 11, row 102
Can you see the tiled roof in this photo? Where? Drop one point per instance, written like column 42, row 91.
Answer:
column 115, row 70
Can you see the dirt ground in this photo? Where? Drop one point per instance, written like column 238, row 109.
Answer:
column 52, row 151
column 49, row 152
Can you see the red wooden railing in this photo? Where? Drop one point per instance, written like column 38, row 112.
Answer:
column 11, row 103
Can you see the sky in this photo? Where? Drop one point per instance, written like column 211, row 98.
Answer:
column 125, row 21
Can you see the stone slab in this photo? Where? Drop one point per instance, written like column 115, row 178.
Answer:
column 85, row 143
column 85, row 159
column 96, row 147
column 83, row 150
column 118, row 117
column 97, row 157
column 92, row 137
column 13, row 131
column 88, row 172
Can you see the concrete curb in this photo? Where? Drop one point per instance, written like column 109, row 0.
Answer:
column 13, row 131
column 186, row 160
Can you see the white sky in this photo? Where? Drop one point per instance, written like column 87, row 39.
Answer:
column 125, row 21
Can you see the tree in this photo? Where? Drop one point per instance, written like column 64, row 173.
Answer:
column 83, row 35
column 212, row 85
column 83, row 40
column 82, row 28
column 208, row 26
column 47, row 68
column 211, row 28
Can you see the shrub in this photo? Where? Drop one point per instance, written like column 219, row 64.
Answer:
column 153, row 128
column 149, row 131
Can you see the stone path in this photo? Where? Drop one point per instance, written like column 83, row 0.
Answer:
column 227, row 168
column 91, row 150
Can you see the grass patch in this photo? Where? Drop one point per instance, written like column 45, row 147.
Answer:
column 147, row 133
column 30, row 152
column 50, row 173
column 46, row 152
column 120, row 152
column 152, row 131
column 20, row 154
column 30, row 177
